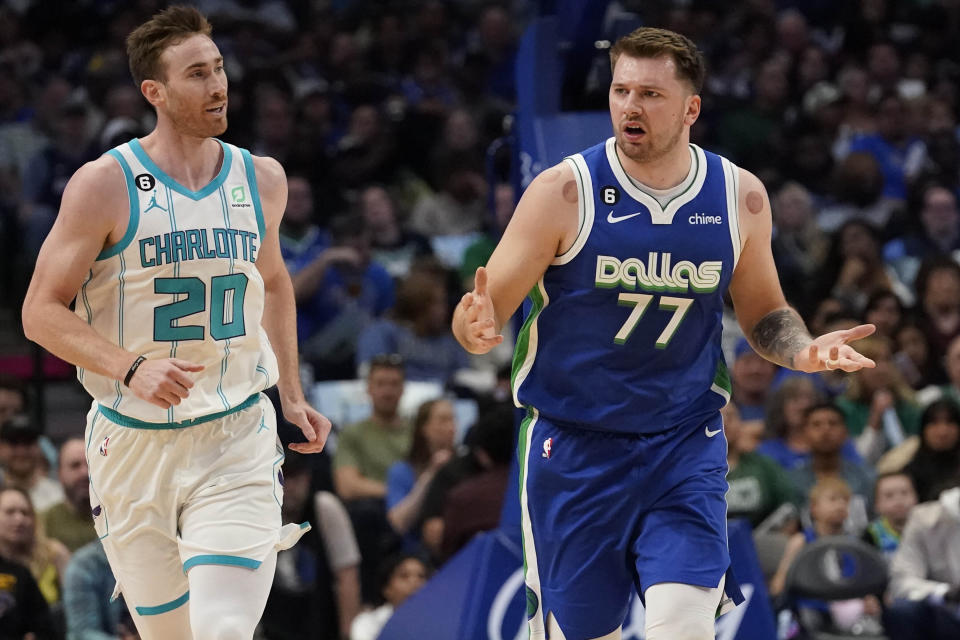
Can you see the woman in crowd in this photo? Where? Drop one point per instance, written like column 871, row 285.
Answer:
column 22, row 541
column 407, row 481
column 937, row 460
column 400, row 577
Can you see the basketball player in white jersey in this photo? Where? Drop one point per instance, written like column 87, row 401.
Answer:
column 184, row 314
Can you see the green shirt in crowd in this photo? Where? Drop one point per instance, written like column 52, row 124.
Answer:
column 757, row 487
column 855, row 415
column 372, row 448
column 73, row 529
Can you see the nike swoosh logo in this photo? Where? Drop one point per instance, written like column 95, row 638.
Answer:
column 709, row 433
column 612, row 219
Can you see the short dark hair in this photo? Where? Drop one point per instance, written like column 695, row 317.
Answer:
column 386, row 361
column 650, row 42
column 891, row 474
column 821, row 406
column 165, row 29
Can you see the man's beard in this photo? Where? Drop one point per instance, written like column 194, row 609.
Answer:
column 651, row 150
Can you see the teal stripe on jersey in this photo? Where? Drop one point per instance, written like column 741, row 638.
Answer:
column 123, row 271
column 151, row 166
column 266, row 378
column 86, row 306
column 172, row 216
column 134, row 221
column 133, row 423
column 163, row 608
column 226, row 346
column 220, row 559
column 254, row 192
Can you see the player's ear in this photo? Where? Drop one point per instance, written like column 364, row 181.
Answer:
column 692, row 110
column 152, row 90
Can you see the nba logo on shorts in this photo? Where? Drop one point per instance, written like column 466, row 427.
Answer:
column 104, row 445
column 547, row 447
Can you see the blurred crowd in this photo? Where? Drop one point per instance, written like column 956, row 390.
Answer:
column 392, row 120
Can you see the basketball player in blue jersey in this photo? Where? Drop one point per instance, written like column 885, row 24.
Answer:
column 184, row 314
column 625, row 251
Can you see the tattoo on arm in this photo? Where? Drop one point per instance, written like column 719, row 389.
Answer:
column 780, row 335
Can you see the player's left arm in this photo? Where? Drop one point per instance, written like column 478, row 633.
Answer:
column 280, row 312
column 775, row 330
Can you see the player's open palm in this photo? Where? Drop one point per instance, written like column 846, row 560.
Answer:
column 480, row 332
column 832, row 351
column 314, row 425
column 165, row 382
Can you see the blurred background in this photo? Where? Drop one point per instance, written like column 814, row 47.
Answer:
column 408, row 129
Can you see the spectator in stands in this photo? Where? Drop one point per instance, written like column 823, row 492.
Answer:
column 365, row 452
column 893, row 498
column 367, row 152
column 400, row 577
column 482, row 443
column 894, row 150
column 925, row 573
column 938, row 235
column 830, row 501
column 47, row 174
column 22, row 463
column 475, row 504
column 757, row 485
column 25, row 613
column 854, row 268
column 391, row 244
column 88, row 586
column 70, row 521
column 937, row 457
column 338, row 293
column 419, row 332
column 367, row 449
column 826, row 433
column 21, row 540
column 434, row 429
column 799, row 246
column 477, row 254
column 885, row 311
column 914, row 358
column 302, row 240
column 316, row 589
column 938, row 296
column 752, row 377
column 13, row 397
column 950, row 390
column 878, row 406
column 458, row 208
column 785, row 418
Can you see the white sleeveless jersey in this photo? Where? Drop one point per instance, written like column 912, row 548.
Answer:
column 182, row 283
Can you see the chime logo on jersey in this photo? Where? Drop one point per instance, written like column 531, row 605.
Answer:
column 104, row 445
column 547, row 447
column 658, row 273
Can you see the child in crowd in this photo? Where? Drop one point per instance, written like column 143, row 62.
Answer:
column 894, row 497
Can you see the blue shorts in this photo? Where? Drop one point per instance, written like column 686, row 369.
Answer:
column 603, row 513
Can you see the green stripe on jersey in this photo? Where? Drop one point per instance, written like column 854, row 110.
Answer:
column 523, row 338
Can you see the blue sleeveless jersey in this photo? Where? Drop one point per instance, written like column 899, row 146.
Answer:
column 622, row 332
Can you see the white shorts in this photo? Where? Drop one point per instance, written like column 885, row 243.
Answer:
column 167, row 499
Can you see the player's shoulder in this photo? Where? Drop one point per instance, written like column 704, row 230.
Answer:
column 270, row 173
column 99, row 181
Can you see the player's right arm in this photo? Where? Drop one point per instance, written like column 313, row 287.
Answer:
column 93, row 214
column 544, row 224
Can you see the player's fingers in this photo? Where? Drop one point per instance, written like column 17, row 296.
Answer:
column 480, row 282
column 167, row 396
column 860, row 331
column 813, row 354
column 306, row 447
column 835, row 352
column 175, row 388
column 154, row 400
column 186, row 365
column 181, row 378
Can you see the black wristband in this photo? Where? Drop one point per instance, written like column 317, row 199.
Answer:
column 133, row 369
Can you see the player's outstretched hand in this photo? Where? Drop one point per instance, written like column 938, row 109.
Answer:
column 164, row 382
column 831, row 351
column 312, row 423
column 478, row 327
